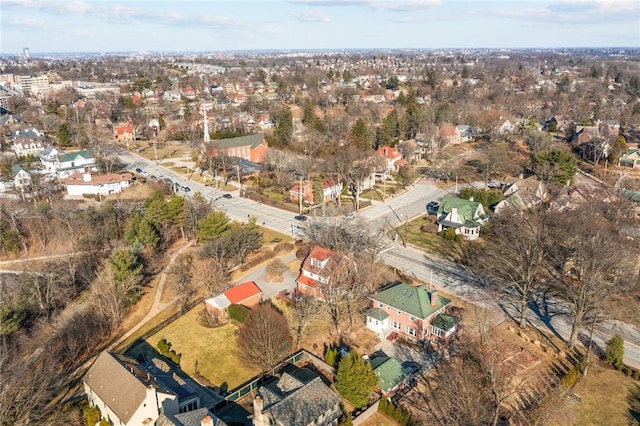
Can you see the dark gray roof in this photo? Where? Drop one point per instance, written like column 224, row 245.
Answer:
column 301, row 406
column 190, row 418
column 251, row 140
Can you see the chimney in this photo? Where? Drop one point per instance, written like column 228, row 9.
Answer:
column 258, row 406
column 86, row 177
column 434, row 297
column 206, row 421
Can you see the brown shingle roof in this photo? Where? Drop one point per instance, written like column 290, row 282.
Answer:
column 115, row 385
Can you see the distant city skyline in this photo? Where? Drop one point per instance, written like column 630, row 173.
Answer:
column 216, row 25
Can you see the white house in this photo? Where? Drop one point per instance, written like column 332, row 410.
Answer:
column 20, row 180
column 49, row 158
column 128, row 393
column 66, row 164
column 86, row 183
column 464, row 216
column 28, row 142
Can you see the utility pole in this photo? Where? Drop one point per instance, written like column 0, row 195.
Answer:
column 300, row 194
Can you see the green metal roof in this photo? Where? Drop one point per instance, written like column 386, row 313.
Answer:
column 389, row 371
column 70, row 156
column 415, row 301
column 376, row 313
column 445, row 322
column 466, row 208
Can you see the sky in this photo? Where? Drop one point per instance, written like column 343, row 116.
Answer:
column 221, row 25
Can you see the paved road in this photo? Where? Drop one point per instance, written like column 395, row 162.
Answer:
column 428, row 267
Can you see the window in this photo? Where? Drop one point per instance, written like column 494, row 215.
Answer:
column 412, row 318
column 398, row 312
column 410, row 330
column 436, row 331
column 395, row 325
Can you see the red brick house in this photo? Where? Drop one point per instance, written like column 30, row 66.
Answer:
column 252, row 148
column 247, row 294
column 331, row 189
column 416, row 313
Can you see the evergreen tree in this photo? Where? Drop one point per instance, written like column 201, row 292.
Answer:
column 355, row 380
column 64, row 134
column 614, row 352
column 318, row 192
column 212, row 226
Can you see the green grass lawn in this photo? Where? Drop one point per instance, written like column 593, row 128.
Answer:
column 215, row 350
column 414, row 235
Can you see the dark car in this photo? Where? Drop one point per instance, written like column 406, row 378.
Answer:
column 186, row 189
column 226, row 196
column 138, row 170
column 300, row 217
column 432, row 207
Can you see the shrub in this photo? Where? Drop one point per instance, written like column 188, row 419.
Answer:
column 332, row 356
column 636, row 375
column 164, row 348
column 90, row 415
column 282, row 248
column 614, row 352
column 402, row 415
column 275, row 268
column 629, row 371
column 448, row 234
column 208, row 320
column 257, row 259
column 238, row 313
column 571, row 377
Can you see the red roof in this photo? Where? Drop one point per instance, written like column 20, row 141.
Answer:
column 242, row 292
column 320, row 253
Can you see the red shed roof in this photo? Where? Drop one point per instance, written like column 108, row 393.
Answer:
column 242, row 292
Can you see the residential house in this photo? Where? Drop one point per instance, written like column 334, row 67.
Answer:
column 69, row 163
column 416, row 313
column 392, row 157
column 124, row 132
column 199, row 417
column 128, row 393
column 465, row 216
column 252, row 148
column 524, row 193
column 506, row 127
column 391, row 374
column 86, row 183
column 331, row 190
column 317, row 270
column 20, row 179
column 631, row 158
column 465, row 131
column 49, row 158
column 28, row 142
column 247, row 294
column 449, row 133
column 298, row 397
column 11, row 119
column 172, row 96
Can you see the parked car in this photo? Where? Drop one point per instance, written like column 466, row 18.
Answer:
column 226, row 196
column 186, row 188
column 432, row 207
column 300, row 217
column 138, row 170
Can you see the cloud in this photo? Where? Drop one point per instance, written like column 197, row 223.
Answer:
column 383, row 5
column 311, row 16
column 570, row 12
column 580, row 6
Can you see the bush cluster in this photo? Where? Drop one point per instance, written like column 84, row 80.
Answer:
column 402, row 415
column 332, row 356
column 282, row 248
column 165, row 350
column 257, row 259
column 238, row 313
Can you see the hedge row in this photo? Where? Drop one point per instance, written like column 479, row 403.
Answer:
column 165, row 350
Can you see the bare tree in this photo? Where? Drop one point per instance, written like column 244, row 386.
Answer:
column 480, row 385
column 514, row 256
column 304, row 311
column 592, row 264
column 182, row 273
column 265, row 338
column 212, row 274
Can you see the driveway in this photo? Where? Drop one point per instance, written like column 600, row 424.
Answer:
column 271, row 289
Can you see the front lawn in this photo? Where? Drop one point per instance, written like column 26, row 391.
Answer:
column 413, row 234
column 213, row 350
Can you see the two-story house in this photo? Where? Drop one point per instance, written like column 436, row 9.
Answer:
column 318, row 269
column 298, row 397
column 465, row 216
column 416, row 313
column 331, row 190
column 123, row 132
column 28, row 142
column 70, row 163
column 392, row 159
column 128, row 393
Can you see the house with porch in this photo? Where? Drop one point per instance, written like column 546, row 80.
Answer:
column 247, row 294
column 464, row 216
column 631, row 158
column 128, row 393
column 417, row 313
column 331, row 190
